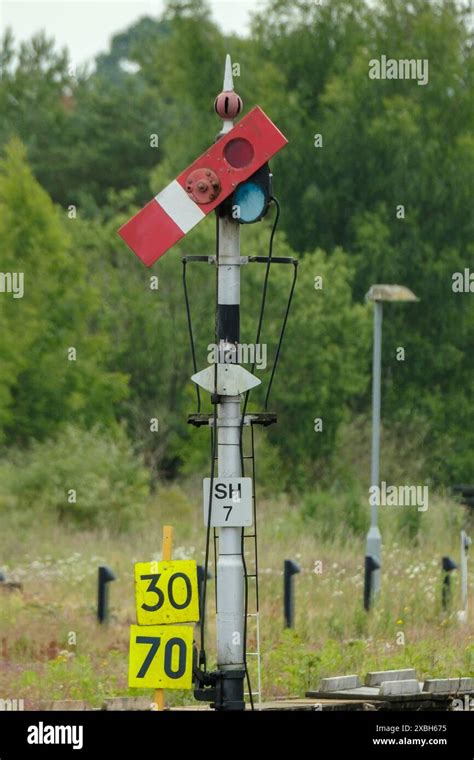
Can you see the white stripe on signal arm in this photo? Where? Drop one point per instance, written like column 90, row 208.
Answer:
column 179, row 206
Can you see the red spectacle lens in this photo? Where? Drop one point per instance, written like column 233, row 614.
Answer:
column 239, row 152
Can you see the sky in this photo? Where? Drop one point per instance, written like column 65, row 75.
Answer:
column 86, row 26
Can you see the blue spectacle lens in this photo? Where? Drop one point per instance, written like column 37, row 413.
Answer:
column 250, row 198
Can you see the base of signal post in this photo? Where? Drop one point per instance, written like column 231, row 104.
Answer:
column 373, row 548
column 223, row 689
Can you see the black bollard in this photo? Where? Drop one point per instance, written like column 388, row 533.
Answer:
column 371, row 564
column 447, row 566
column 290, row 569
column 105, row 576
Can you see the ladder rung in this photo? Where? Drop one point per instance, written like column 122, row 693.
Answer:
column 246, row 456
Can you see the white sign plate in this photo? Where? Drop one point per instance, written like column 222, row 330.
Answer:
column 231, row 502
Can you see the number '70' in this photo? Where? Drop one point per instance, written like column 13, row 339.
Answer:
column 154, row 643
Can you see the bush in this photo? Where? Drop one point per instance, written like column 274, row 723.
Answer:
column 89, row 478
column 336, row 514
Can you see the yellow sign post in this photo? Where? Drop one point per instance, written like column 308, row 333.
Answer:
column 161, row 652
column 161, row 655
column 165, row 555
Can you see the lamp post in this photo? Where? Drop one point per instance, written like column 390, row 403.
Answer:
column 465, row 544
column 378, row 294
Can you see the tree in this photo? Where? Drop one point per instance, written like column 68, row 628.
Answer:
column 42, row 386
column 36, row 87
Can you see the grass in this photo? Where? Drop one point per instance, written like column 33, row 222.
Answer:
column 52, row 647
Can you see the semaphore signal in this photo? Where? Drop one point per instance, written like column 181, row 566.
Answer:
column 233, row 178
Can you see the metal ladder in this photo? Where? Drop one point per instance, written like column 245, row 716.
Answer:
column 253, row 576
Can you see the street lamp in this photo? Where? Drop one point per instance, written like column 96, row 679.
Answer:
column 378, row 294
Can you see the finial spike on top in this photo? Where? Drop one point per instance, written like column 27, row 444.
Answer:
column 228, row 78
column 228, row 104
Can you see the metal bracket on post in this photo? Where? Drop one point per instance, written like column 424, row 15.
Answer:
column 254, row 418
column 222, row 688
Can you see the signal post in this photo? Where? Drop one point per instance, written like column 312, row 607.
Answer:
column 226, row 178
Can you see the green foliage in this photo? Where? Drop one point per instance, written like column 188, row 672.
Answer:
column 115, row 137
column 409, row 523
column 336, row 514
column 110, row 482
column 40, row 388
column 320, row 372
column 151, row 344
column 288, row 667
column 111, row 66
column 35, row 97
column 403, row 452
column 386, row 143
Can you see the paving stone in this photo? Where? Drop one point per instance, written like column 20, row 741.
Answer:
column 377, row 677
column 340, row 683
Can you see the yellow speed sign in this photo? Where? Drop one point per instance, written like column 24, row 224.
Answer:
column 166, row 592
column 161, row 657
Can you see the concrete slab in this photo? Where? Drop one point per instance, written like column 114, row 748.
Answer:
column 377, row 677
column 442, row 685
column 403, row 688
column 448, row 685
column 372, row 694
column 339, row 683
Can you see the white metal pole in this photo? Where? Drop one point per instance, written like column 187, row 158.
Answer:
column 230, row 568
